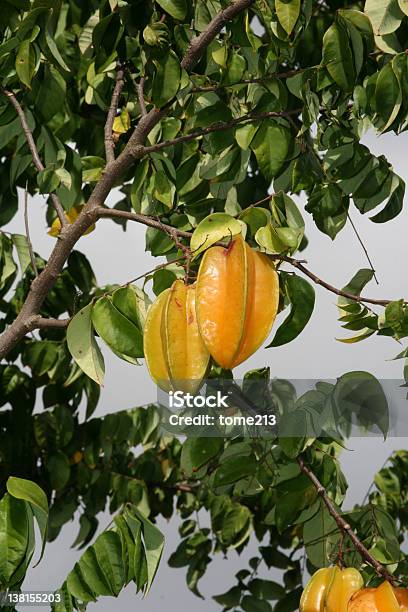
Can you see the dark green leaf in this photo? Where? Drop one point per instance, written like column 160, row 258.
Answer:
column 302, row 298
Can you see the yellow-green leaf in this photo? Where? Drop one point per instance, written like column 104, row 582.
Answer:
column 288, row 13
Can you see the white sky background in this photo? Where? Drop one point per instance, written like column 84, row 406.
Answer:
column 118, row 257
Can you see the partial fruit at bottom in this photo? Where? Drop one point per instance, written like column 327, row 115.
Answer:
column 382, row 599
column 175, row 353
column 330, row 590
column 237, row 301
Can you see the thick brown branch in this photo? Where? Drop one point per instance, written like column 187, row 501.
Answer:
column 109, row 142
column 342, row 524
column 34, row 151
column 28, row 316
column 202, row 41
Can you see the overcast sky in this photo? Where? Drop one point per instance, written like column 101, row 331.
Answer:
column 118, row 257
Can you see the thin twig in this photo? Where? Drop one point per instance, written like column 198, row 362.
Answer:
column 296, row 263
column 218, row 127
column 363, row 247
column 27, row 229
column 34, row 151
column 153, row 270
column 113, row 109
column 250, row 81
column 318, row 281
column 140, row 94
column 342, row 524
column 45, row 323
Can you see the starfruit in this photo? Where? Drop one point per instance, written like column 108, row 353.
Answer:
column 237, row 301
column 330, row 590
column 381, row 599
column 176, row 356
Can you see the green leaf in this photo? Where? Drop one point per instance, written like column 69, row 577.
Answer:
column 25, row 63
column 255, row 218
column 40, row 356
column 293, row 496
column 119, row 333
column 266, row 589
column 59, row 470
column 14, row 536
column 302, row 299
column 48, row 180
column 83, row 347
column 176, row 8
column 250, row 603
column 271, row 147
column 132, row 303
column 23, row 251
column 288, row 13
column 51, row 44
column 28, row 491
column 196, row 452
column 153, row 544
column 388, row 95
column 329, row 208
column 338, row 57
column 361, row 395
column 166, row 81
column 403, row 4
column 355, row 286
column 229, row 599
column 212, row 229
column 385, row 15
column 394, row 205
column 99, row 571
column 92, row 168
column 81, row 272
column 322, row 538
column 234, row 469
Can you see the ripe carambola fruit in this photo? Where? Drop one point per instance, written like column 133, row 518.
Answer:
column 330, row 590
column 237, row 301
column 382, row 599
column 175, row 353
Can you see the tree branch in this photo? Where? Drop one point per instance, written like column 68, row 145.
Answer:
column 197, row 46
column 363, row 246
column 140, row 95
column 28, row 316
column 218, row 127
column 27, row 229
column 318, row 281
column 342, row 524
column 112, row 213
column 113, row 109
column 273, row 75
column 44, row 323
column 34, row 151
column 296, row 263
